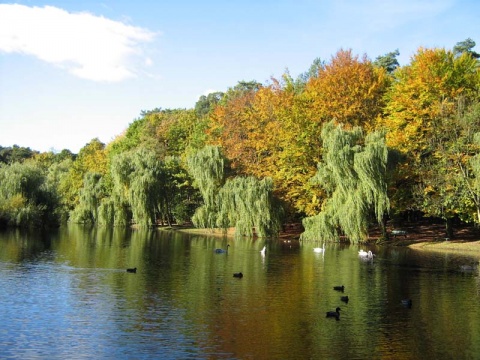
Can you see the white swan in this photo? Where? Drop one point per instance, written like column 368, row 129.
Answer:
column 362, row 253
column 318, row 249
column 366, row 255
column 263, row 251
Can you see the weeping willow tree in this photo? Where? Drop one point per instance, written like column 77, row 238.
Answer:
column 353, row 174
column 207, row 166
column 138, row 178
column 26, row 197
column 248, row 204
column 245, row 203
column 86, row 212
column 142, row 189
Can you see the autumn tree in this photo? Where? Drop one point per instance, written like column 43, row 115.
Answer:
column 266, row 133
column 347, row 89
column 91, row 158
column 229, row 121
column 424, row 94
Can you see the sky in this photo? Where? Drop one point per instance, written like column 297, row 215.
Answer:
column 72, row 71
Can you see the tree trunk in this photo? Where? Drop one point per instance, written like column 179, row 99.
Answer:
column 167, row 212
column 383, row 228
column 449, row 228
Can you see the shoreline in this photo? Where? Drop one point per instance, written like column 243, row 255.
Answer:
column 466, row 243
column 469, row 248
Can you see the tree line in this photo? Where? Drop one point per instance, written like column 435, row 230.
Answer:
column 348, row 143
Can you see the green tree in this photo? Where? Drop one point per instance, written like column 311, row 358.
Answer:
column 206, row 104
column 466, row 46
column 15, row 153
column 180, row 197
column 207, row 167
column 245, row 203
column 353, row 174
column 91, row 195
column 138, row 179
column 459, row 167
column 388, row 61
column 168, row 132
column 248, row 205
column 301, row 81
column 26, row 200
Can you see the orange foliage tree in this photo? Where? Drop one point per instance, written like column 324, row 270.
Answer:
column 348, row 90
column 265, row 133
column 274, row 131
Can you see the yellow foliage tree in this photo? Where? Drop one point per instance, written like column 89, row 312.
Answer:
column 423, row 92
column 91, row 159
column 348, row 90
column 422, row 108
column 265, row 133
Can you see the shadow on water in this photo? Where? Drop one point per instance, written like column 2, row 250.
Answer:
column 184, row 302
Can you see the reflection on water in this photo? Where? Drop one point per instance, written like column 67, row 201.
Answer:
column 66, row 294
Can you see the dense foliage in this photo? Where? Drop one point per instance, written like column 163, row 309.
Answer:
column 348, row 143
column 353, row 174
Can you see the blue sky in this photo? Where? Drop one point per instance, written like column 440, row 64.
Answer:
column 71, row 71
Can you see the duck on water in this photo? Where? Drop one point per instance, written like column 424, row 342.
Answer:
column 222, row 251
column 334, row 314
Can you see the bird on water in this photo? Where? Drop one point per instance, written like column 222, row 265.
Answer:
column 319, row 249
column 335, row 314
column 222, row 251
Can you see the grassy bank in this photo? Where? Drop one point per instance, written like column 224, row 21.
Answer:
column 471, row 248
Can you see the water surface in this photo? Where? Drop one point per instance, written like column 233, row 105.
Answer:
column 66, row 294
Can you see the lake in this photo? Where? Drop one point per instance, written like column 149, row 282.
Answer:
column 66, row 294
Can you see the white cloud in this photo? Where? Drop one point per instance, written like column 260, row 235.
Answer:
column 88, row 46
